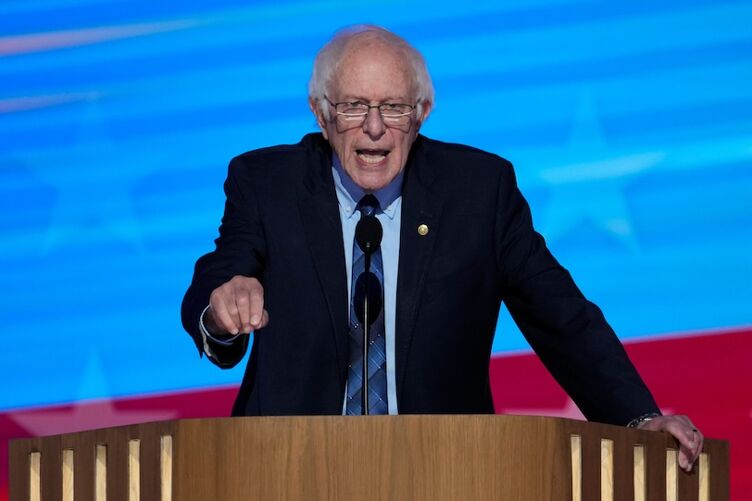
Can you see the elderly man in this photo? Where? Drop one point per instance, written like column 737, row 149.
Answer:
column 457, row 240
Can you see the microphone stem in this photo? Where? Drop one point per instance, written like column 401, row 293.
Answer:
column 366, row 331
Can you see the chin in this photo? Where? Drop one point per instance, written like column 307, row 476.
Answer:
column 373, row 183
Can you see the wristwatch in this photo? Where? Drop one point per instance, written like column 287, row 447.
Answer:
column 641, row 420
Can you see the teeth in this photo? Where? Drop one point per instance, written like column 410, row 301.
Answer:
column 371, row 157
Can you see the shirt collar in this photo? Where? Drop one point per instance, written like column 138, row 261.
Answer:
column 351, row 193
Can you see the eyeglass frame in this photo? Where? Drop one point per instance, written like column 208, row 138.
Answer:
column 363, row 116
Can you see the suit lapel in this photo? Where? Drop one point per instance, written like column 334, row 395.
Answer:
column 419, row 207
column 320, row 217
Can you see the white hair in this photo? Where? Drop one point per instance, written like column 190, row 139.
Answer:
column 331, row 54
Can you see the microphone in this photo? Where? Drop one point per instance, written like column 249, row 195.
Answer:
column 368, row 233
column 367, row 290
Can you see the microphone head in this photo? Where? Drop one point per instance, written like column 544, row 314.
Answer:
column 368, row 233
column 368, row 286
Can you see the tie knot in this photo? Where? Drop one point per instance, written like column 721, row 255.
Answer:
column 368, row 205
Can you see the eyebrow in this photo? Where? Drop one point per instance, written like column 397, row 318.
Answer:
column 389, row 99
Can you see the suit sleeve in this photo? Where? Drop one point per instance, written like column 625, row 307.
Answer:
column 567, row 332
column 240, row 250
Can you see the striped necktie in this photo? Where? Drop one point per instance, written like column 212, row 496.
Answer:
column 372, row 284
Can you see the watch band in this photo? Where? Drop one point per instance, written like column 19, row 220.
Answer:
column 641, row 420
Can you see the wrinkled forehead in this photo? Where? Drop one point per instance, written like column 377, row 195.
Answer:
column 372, row 63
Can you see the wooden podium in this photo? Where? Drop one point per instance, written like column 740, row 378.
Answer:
column 363, row 458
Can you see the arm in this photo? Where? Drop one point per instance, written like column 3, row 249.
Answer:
column 567, row 332
column 226, row 293
column 570, row 334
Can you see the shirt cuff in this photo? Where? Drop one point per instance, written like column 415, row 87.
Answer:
column 207, row 336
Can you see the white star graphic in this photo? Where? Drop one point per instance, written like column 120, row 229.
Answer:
column 85, row 414
column 93, row 180
column 587, row 181
column 587, row 177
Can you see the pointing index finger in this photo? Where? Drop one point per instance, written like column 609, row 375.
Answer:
column 223, row 317
column 256, row 295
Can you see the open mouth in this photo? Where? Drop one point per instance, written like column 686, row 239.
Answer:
column 371, row 156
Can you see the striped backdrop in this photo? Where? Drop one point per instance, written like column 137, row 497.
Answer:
column 629, row 123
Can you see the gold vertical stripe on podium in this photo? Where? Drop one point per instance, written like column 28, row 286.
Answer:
column 100, row 473
column 68, row 475
column 576, row 450
column 672, row 464
column 704, row 477
column 134, row 470
column 165, row 461
column 607, row 470
column 35, row 484
column 639, row 473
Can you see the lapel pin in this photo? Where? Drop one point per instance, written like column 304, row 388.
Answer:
column 423, row 230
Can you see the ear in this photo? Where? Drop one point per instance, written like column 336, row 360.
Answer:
column 426, row 107
column 320, row 119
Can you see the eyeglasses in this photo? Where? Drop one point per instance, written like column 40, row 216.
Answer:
column 354, row 113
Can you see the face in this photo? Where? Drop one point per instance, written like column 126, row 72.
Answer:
column 372, row 154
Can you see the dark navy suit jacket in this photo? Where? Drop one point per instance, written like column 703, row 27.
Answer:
column 281, row 224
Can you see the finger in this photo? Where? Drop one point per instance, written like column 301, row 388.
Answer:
column 264, row 320
column 694, row 437
column 232, row 310
column 687, row 458
column 242, row 301
column 256, row 295
column 685, row 461
column 681, row 429
column 699, row 440
column 690, row 451
column 222, row 316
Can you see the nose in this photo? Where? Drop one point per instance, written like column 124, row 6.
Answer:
column 373, row 125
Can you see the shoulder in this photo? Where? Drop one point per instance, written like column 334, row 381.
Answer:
column 311, row 147
column 460, row 156
column 284, row 166
column 460, row 163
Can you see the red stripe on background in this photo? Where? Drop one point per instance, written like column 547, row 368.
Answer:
column 708, row 377
column 215, row 402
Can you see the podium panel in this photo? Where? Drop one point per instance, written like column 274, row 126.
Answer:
column 364, row 458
